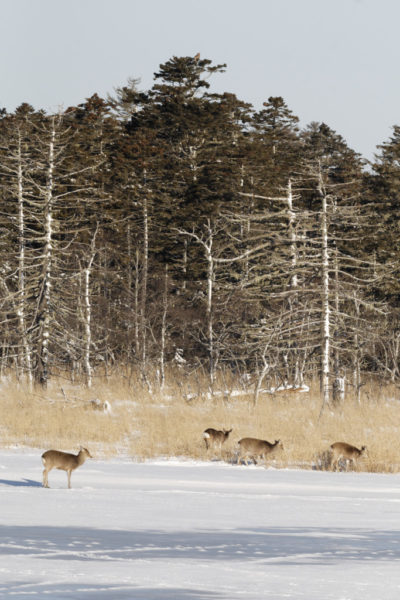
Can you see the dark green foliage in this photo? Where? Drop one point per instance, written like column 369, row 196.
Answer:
column 180, row 177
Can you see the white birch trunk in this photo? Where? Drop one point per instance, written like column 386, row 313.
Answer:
column 337, row 304
column 338, row 385
column 143, row 300
column 356, row 357
column 136, row 303
column 326, row 312
column 261, row 376
column 164, row 329
column 88, row 315
column 88, row 331
column 207, row 243
column 129, row 295
column 292, row 237
column 184, row 263
column 245, row 230
column 45, row 298
column 27, row 351
column 293, row 250
column 210, row 288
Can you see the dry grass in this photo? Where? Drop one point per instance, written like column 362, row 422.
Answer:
column 144, row 425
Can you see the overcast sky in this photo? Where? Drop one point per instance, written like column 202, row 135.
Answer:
column 335, row 61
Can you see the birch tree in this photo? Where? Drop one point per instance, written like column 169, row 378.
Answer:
column 61, row 194
column 16, row 169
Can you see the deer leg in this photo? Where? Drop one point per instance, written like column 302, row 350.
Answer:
column 45, row 479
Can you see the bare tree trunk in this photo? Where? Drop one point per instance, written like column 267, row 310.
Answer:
column 206, row 242
column 164, row 329
column 88, row 331
column 88, row 314
column 185, row 262
column 143, row 297
column 210, row 287
column 262, row 374
column 44, row 303
column 27, row 351
column 298, row 376
column 338, row 385
column 336, row 352
column 326, row 311
column 136, row 302
column 129, row 279
column 292, row 237
column 356, row 356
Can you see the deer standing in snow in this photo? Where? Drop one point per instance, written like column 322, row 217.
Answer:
column 64, row 461
column 347, row 452
column 213, row 438
column 254, row 448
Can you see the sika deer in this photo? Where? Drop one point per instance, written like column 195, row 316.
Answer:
column 213, row 438
column 341, row 450
column 254, row 448
column 63, row 461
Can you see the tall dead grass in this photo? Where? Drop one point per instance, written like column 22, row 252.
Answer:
column 143, row 424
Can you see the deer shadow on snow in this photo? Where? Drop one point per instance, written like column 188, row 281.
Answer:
column 21, row 483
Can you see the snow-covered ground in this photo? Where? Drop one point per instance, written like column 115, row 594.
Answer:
column 175, row 530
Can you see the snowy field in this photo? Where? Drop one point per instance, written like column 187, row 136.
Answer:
column 171, row 530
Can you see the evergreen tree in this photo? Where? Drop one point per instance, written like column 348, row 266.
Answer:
column 276, row 146
column 384, row 187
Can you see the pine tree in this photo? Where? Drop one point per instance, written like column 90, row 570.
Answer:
column 276, row 145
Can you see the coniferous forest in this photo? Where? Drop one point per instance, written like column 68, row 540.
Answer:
column 177, row 226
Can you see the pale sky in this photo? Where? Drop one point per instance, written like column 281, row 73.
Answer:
column 335, row 61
